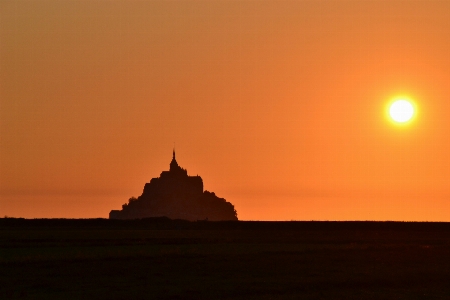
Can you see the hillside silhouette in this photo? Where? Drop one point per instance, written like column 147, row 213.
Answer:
column 176, row 195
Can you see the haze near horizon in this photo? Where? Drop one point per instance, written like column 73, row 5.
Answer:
column 280, row 106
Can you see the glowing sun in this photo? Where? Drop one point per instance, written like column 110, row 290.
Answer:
column 401, row 111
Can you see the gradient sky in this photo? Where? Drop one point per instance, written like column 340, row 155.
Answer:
column 278, row 105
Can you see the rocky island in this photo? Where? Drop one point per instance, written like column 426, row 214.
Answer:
column 176, row 195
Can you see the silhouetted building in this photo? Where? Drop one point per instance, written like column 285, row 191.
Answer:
column 176, row 195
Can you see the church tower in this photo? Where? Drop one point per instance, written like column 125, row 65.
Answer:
column 174, row 167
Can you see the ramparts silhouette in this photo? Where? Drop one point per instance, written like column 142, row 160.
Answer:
column 176, row 195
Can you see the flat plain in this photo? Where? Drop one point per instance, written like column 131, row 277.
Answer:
column 173, row 259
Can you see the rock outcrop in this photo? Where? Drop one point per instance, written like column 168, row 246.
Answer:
column 176, row 195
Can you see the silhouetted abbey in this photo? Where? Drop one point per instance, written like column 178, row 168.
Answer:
column 178, row 196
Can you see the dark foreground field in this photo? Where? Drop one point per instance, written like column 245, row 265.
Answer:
column 163, row 259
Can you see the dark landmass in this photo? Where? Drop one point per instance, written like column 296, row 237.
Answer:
column 176, row 195
column 159, row 258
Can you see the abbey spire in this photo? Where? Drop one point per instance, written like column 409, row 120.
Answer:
column 174, row 167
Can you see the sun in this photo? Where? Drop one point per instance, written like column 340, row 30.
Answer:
column 401, row 110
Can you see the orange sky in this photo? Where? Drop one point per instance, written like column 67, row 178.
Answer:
column 278, row 105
